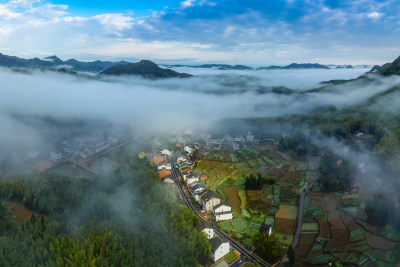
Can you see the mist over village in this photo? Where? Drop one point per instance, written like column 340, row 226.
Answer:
column 199, row 133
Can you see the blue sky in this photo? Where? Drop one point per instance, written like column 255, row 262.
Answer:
column 254, row 32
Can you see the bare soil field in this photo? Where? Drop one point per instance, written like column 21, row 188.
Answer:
column 340, row 234
column 256, row 200
column 306, row 242
column 285, row 225
column 20, row 212
column 376, row 241
column 254, row 195
column 231, row 193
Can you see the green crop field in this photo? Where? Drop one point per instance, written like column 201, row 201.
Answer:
column 390, row 233
column 226, row 226
column 253, row 163
column 309, row 227
column 268, row 160
column 243, row 199
column 255, row 226
column 239, row 224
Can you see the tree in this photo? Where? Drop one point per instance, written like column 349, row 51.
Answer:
column 267, row 246
column 254, row 182
column 380, row 209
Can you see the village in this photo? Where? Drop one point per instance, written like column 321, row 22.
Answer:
column 211, row 207
column 213, row 172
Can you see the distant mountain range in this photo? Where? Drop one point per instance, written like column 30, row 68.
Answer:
column 273, row 67
column 296, row 66
column 144, row 68
column 54, row 61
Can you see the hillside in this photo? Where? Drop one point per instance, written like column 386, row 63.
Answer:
column 391, row 68
column 55, row 62
column 16, row 62
column 146, row 69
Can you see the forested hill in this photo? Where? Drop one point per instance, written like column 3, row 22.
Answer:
column 390, row 68
column 124, row 219
column 146, row 69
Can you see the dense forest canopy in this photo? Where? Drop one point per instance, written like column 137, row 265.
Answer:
column 126, row 218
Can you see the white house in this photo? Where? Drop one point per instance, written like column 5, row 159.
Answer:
column 207, row 229
column 164, row 167
column 197, row 188
column 209, row 200
column 168, row 180
column 219, row 247
column 180, row 159
column 223, row 212
column 166, row 152
column 56, row 157
column 191, row 178
column 188, row 149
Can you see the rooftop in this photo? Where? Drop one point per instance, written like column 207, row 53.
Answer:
column 216, row 242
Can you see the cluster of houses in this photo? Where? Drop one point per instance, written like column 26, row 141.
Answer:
column 164, row 169
column 219, row 245
column 245, row 140
column 208, row 199
column 83, row 147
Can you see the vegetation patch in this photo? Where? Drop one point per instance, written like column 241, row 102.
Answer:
column 230, row 257
column 239, row 225
column 390, row 233
column 243, row 199
column 309, row 227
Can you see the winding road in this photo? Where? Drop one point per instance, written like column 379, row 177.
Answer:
column 233, row 243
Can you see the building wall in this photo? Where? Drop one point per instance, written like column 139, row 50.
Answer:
column 223, row 217
column 223, row 209
column 209, row 232
column 211, row 203
column 221, row 251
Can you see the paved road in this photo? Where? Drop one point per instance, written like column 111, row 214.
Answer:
column 233, row 243
column 300, row 212
column 238, row 262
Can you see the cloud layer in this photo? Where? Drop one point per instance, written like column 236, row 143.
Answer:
column 251, row 32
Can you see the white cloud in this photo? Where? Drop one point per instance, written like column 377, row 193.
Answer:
column 374, row 15
column 7, row 14
column 187, row 3
column 117, row 21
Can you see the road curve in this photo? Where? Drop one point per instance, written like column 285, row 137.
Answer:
column 234, row 244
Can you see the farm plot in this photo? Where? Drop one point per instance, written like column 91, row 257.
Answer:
column 285, row 238
column 309, row 228
column 232, row 196
column 234, row 158
column 226, row 226
column 256, row 200
column 243, row 199
column 239, row 225
column 376, row 241
column 253, row 163
column 306, row 242
column 285, row 219
column 268, row 160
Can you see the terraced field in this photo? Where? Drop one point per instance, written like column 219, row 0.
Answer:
column 341, row 236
